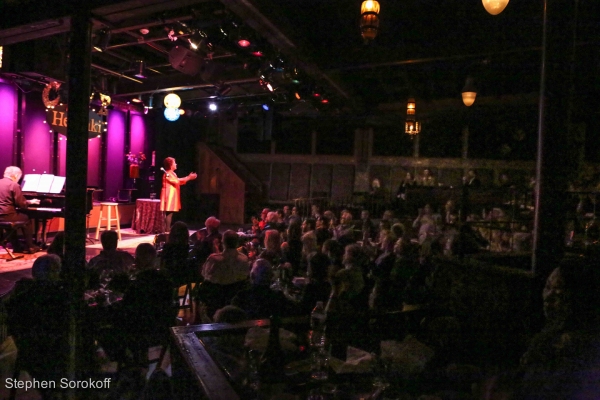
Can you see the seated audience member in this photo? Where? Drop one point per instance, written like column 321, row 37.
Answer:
column 271, row 224
column 272, row 251
column 309, row 249
column 380, row 298
column 175, row 255
column 562, row 360
column 229, row 266
column 472, row 180
column 147, row 310
column 347, row 313
column 335, row 253
column 356, row 261
column 58, row 245
column 224, row 274
column 318, row 287
column 315, row 211
column 111, row 260
column 39, row 323
column 344, row 232
column 207, row 240
column 263, row 218
column 309, row 225
column 426, row 178
column 367, row 226
column 259, row 301
column 292, row 248
column 287, row 214
column 322, row 230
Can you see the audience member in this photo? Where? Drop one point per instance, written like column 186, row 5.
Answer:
column 322, row 230
column 344, row 232
column 227, row 267
column 175, row 255
column 57, row 246
column 335, row 253
column 38, row 321
column 207, row 240
column 318, row 288
column 259, row 301
column 272, row 251
column 111, row 261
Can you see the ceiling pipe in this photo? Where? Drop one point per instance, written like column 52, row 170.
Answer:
column 190, row 87
column 111, row 72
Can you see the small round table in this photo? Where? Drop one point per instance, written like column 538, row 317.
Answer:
column 148, row 217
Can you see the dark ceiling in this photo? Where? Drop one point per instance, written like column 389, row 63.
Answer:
column 424, row 49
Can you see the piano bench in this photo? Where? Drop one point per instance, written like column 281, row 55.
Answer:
column 7, row 230
column 109, row 207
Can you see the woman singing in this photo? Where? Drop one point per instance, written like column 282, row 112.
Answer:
column 170, row 199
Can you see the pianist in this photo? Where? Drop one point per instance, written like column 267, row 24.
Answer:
column 11, row 199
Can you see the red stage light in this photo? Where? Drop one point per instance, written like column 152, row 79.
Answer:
column 243, row 43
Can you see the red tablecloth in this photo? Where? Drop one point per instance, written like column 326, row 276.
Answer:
column 148, row 217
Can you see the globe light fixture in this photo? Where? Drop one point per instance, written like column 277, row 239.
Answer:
column 172, row 101
column 494, row 7
column 172, row 114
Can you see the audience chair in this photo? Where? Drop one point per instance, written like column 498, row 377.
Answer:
column 7, row 230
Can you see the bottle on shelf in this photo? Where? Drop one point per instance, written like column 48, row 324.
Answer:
column 272, row 362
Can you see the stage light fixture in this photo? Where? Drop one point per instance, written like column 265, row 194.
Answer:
column 140, row 69
column 151, row 102
column 101, row 40
column 212, row 107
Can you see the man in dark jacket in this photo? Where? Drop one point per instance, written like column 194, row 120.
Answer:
column 12, row 199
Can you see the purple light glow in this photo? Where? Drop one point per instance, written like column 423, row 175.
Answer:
column 115, row 153
column 8, row 102
column 93, row 175
column 138, row 133
column 37, row 139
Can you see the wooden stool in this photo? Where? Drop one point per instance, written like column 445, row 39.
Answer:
column 109, row 220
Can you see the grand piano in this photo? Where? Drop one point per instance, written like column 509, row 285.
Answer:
column 49, row 190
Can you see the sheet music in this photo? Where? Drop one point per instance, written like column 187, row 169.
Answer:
column 45, row 183
column 30, row 182
column 57, row 184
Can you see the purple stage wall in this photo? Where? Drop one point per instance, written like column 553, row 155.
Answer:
column 38, row 141
column 37, row 137
column 8, row 118
column 115, row 153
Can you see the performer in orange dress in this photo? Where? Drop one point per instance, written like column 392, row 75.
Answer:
column 170, row 199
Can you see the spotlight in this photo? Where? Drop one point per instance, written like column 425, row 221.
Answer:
column 266, row 84
column 101, row 41
column 212, row 107
column 151, row 102
column 137, row 99
column 195, row 40
column 140, row 69
column 266, row 107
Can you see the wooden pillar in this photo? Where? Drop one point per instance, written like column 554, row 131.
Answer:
column 552, row 169
column 76, row 182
